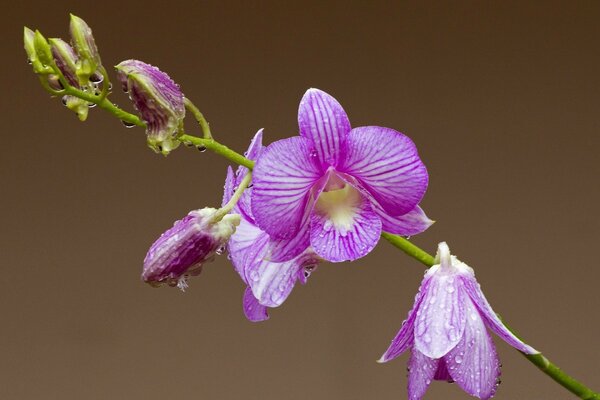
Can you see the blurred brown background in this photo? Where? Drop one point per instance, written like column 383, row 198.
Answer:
column 502, row 99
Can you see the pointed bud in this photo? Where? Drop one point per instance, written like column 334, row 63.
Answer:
column 83, row 41
column 32, row 57
column 158, row 100
column 181, row 251
column 42, row 50
column 65, row 59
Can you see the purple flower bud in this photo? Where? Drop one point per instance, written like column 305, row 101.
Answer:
column 182, row 250
column 83, row 41
column 65, row 59
column 158, row 100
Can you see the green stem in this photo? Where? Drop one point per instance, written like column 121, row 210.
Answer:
column 199, row 117
column 235, row 198
column 547, row 367
column 218, row 148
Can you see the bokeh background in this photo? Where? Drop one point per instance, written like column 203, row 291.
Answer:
column 502, row 99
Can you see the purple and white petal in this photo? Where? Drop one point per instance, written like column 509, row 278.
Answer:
column 492, row 321
column 247, row 245
column 253, row 310
column 412, row 223
column 473, row 363
column 253, row 152
column 228, row 187
column 282, row 178
column 323, row 120
column 387, row 164
column 280, row 250
column 421, row 371
column 271, row 282
column 440, row 320
column 343, row 225
column 405, row 337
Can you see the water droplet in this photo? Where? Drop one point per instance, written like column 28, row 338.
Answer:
column 450, row 289
column 313, row 153
column 432, row 300
column 427, row 339
column 254, row 275
column 96, row 78
column 128, row 124
column 220, row 250
column 473, row 316
column 29, row 61
column 458, row 359
column 64, row 100
column 201, row 149
column 92, row 105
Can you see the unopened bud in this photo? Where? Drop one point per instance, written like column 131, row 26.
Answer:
column 32, row 57
column 42, row 50
column 181, row 251
column 83, row 41
column 65, row 59
column 158, row 100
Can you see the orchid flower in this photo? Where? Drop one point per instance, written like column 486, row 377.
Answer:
column 268, row 283
column 335, row 188
column 446, row 332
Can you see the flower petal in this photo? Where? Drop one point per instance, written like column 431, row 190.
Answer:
column 412, row 223
column 323, row 120
column 280, row 250
column 283, row 176
column 253, row 152
column 421, row 372
column 272, row 283
column 405, row 337
column 344, row 230
column 253, row 310
column 228, row 187
column 492, row 321
column 387, row 164
column 245, row 246
column 440, row 320
column 442, row 374
column 473, row 363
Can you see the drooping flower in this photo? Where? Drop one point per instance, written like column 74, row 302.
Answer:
column 446, row 331
column 157, row 98
column 252, row 250
column 335, row 188
column 181, row 251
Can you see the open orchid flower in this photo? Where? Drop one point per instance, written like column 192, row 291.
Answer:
column 335, row 188
column 251, row 251
column 446, row 332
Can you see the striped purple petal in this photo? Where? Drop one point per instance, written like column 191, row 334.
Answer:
column 473, row 289
column 473, row 363
column 421, row 371
column 253, row 310
column 323, row 120
column 405, row 337
column 441, row 317
column 387, row 164
column 283, row 177
column 412, row 223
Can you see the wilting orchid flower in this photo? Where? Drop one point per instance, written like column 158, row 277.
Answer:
column 158, row 100
column 251, row 250
column 181, row 251
column 446, row 332
column 335, row 188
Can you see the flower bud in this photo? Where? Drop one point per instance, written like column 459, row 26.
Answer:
column 42, row 50
column 181, row 251
column 66, row 60
column 158, row 100
column 32, row 57
column 83, row 41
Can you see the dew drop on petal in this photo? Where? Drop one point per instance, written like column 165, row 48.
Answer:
column 254, row 275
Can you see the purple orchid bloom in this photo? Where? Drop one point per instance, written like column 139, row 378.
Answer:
column 335, row 188
column 446, row 332
column 251, row 251
column 181, row 251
